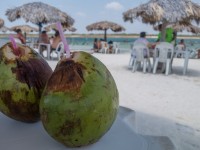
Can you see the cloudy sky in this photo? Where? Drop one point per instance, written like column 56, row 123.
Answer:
column 86, row 12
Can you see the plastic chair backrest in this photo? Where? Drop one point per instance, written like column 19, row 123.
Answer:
column 164, row 51
column 60, row 47
column 104, row 44
column 115, row 45
column 140, row 51
column 139, row 43
column 179, row 47
column 133, row 53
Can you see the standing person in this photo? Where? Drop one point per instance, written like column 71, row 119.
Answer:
column 20, row 36
column 174, row 38
column 169, row 34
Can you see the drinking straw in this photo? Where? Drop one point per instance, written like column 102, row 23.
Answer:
column 66, row 46
column 14, row 44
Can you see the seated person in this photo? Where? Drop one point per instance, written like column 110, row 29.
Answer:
column 95, row 45
column 182, row 43
column 51, row 39
column 142, row 39
column 20, row 36
column 43, row 38
column 99, row 44
column 110, row 48
column 56, row 40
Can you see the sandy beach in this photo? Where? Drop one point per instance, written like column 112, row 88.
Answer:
column 163, row 105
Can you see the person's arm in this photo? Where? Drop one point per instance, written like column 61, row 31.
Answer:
column 23, row 40
column 158, row 38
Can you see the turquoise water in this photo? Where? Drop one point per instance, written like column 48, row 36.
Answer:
column 86, row 43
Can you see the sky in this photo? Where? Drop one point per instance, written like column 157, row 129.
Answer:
column 86, row 12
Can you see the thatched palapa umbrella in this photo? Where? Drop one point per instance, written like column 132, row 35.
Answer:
column 1, row 22
column 164, row 11
column 39, row 13
column 181, row 27
column 64, row 25
column 25, row 29
column 105, row 25
column 4, row 29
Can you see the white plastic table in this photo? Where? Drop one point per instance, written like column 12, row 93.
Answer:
column 16, row 135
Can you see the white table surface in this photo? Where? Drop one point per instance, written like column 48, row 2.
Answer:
column 16, row 135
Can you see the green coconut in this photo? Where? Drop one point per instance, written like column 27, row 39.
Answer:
column 23, row 76
column 80, row 101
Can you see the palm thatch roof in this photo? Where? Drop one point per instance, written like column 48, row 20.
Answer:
column 164, row 11
column 1, row 22
column 105, row 25
column 4, row 29
column 181, row 27
column 25, row 28
column 65, row 27
column 39, row 13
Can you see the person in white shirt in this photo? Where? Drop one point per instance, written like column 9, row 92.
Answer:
column 142, row 39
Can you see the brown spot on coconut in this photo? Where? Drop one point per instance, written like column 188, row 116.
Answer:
column 76, row 108
column 23, row 75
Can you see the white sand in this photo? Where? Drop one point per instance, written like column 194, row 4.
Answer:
column 164, row 105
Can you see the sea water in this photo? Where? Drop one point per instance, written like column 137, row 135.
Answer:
column 83, row 43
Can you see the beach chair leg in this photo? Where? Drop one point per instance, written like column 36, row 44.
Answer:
column 149, row 66
column 167, row 67
column 130, row 64
column 144, row 65
column 185, row 65
column 134, row 66
column 155, row 66
column 154, row 60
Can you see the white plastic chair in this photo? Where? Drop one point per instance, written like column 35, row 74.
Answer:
column 116, row 47
column 131, row 60
column 186, row 61
column 179, row 49
column 104, row 47
column 163, row 53
column 59, row 50
column 141, row 56
column 48, row 46
column 133, row 56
